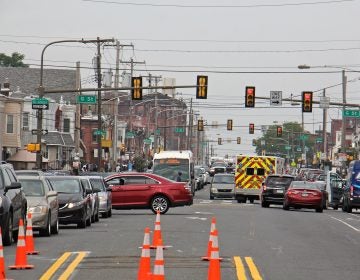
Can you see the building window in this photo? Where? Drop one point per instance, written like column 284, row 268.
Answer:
column 93, row 135
column 9, row 123
column 66, row 125
column 25, row 121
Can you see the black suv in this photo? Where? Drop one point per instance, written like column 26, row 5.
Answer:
column 274, row 188
column 13, row 204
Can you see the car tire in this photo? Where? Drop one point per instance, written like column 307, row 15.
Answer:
column 211, row 197
column 265, row 204
column 251, row 200
column 109, row 213
column 97, row 216
column 104, row 215
column 319, row 210
column 286, row 206
column 335, row 207
column 8, row 232
column 82, row 223
column 348, row 208
column 159, row 203
column 47, row 230
column 55, row 228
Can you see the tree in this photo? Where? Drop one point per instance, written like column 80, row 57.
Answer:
column 15, row 60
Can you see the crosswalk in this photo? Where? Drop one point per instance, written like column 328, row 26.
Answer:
column 219, row 202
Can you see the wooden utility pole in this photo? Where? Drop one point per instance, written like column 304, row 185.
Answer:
column 99, row 135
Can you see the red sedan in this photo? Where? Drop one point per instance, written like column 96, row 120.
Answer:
column 147, row 191
column 302, row 194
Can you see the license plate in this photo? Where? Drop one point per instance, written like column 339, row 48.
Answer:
column 279, row 191
column 304, row 194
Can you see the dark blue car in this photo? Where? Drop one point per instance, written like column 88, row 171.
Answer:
column 351, row 196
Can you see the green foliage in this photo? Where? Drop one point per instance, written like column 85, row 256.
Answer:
column 140, row 164
column 15, row 60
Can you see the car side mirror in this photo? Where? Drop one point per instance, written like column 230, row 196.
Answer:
column 12, row 186
column 109, row 189
column 88, row 191
column 96, row 190
column 52, row 193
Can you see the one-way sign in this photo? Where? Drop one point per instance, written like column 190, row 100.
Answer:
column 275, row 98
column 40, row 103
column 36, row 131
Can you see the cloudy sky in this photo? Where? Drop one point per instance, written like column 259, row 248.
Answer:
column 236, row 43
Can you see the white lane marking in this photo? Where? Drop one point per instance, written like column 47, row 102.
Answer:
column 204, row 213
column 196, row 218
column 345, row 223
column 206, row 201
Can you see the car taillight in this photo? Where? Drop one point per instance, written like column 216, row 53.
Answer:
column 351, row 190
column 264, row 187
column 293, row 192
column 187, row 187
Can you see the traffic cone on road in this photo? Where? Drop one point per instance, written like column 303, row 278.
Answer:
column 29, row 239
column 214, row 272
column 144, row 272
column 159, row 272
column 212, row 228
column 157, row 238
column 20, row 258
column 2, row 261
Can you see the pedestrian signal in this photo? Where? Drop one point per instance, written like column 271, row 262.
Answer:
column 238, row 140
column 229, row 124
column 250, row 97
column 307, row 100
column 219, row 141
column 201, row 87
column 136, row 91
column 251, row 128
column 200, row 125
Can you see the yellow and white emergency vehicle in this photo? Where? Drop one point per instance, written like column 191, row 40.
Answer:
column 251, row 171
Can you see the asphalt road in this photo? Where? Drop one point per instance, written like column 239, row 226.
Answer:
column 255, row 243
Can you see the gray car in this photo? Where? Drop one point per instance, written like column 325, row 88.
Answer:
column 222, row 186
column 42, row 203
column 104, row 193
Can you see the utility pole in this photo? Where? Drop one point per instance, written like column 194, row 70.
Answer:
column 77, row 114
column 324, row 129
column 190, row 126
column 343, row 123
column 99, row 136
column 156, row 116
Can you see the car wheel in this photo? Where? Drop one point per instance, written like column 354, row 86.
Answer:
column 211, row 197
column 335, row 207
column 160, row 203
column 55, row 228
column 104, row 215
column 82, row 223
column 348, row 208
column 110, row 213
column 251, row 200
column 47, row 230
column 319, row 210
column 97, row 215
column 8, row 232
column 286, row 206
column 265, row 204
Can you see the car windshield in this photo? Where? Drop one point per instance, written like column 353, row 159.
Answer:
column 32, row 187
column 224, row 179
column 278, row 181
column 304, row 185
column 97, row 183
column 170, row 171
column 65, row 186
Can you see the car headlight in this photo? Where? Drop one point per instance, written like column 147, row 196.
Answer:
column 214, row 190
column 75, row 204
column 103, row 198
column 37, row 210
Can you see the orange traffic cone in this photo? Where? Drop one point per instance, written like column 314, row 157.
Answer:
column 159, row 272
column 212, row 228
column 2, row 262
column 20, row 258
column 29, row 239
column 214, row 265
column 144, row 272
column 157, row 239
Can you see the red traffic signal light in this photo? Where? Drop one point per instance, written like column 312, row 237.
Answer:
column 201, row 87
column 251, row 128
column 136, row 91
column 279, row 131
column 307, row 100
column 200, row 125
column 229, row 124
column 250, row 97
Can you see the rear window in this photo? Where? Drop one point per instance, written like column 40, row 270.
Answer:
column 276, row 181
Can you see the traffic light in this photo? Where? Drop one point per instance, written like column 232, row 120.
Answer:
column 307, row 100
column 229, row 124
column 279, row 131
column 251, row 128
column 238, row 140
column 200, row 125
column 250, row 97
column 122, row 149
column 254, row 142
column 136, row 91
column 201, row 87
column 219, row 141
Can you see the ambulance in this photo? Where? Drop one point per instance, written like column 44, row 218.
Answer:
column 251, row 171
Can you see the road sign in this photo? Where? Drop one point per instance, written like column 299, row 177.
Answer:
column 40, row 103
column 287, row 148
column 99, row 132
column 275, row 98
column 304, row 137
column 88, row 99
column 351, row 113
column 319, row 140
column 36, row 131
column 129, row 134
column 324, row 102
column 179, row 129
column 147, row 141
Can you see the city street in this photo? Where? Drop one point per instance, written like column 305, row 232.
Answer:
column 255, row 243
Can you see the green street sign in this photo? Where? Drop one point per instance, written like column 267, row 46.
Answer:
column 298, row 149
column 319, row 140
column 40, row 103
column 304, row 137
column 179, row 130
column 129, row 134
column 147, row 141
column 157, row 131
column 351, row 113
column 99, row 132
column 287, row 148
column 88, row 99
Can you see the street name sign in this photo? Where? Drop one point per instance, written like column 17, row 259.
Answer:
column 40, row 103
column 88, row 99
column 179, row 129
column 351, row 113
column 275, row 98
column 99, row 132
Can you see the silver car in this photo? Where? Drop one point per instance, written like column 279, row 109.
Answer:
column 222, row 186
column 105, row 195
column 42, row 203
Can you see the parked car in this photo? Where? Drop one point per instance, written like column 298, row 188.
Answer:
column 351, row 195
column 105, row 195
column 147, row 191
column 93, row 197
column 274, row 188
column 335, row 186
column 42, row 203
column 74, row 204
column 303, row 194
column 29, row 172
column 222, row 186
column 13, row 204
column 199, row 177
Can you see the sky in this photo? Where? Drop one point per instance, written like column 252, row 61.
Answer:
column 235, row 43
